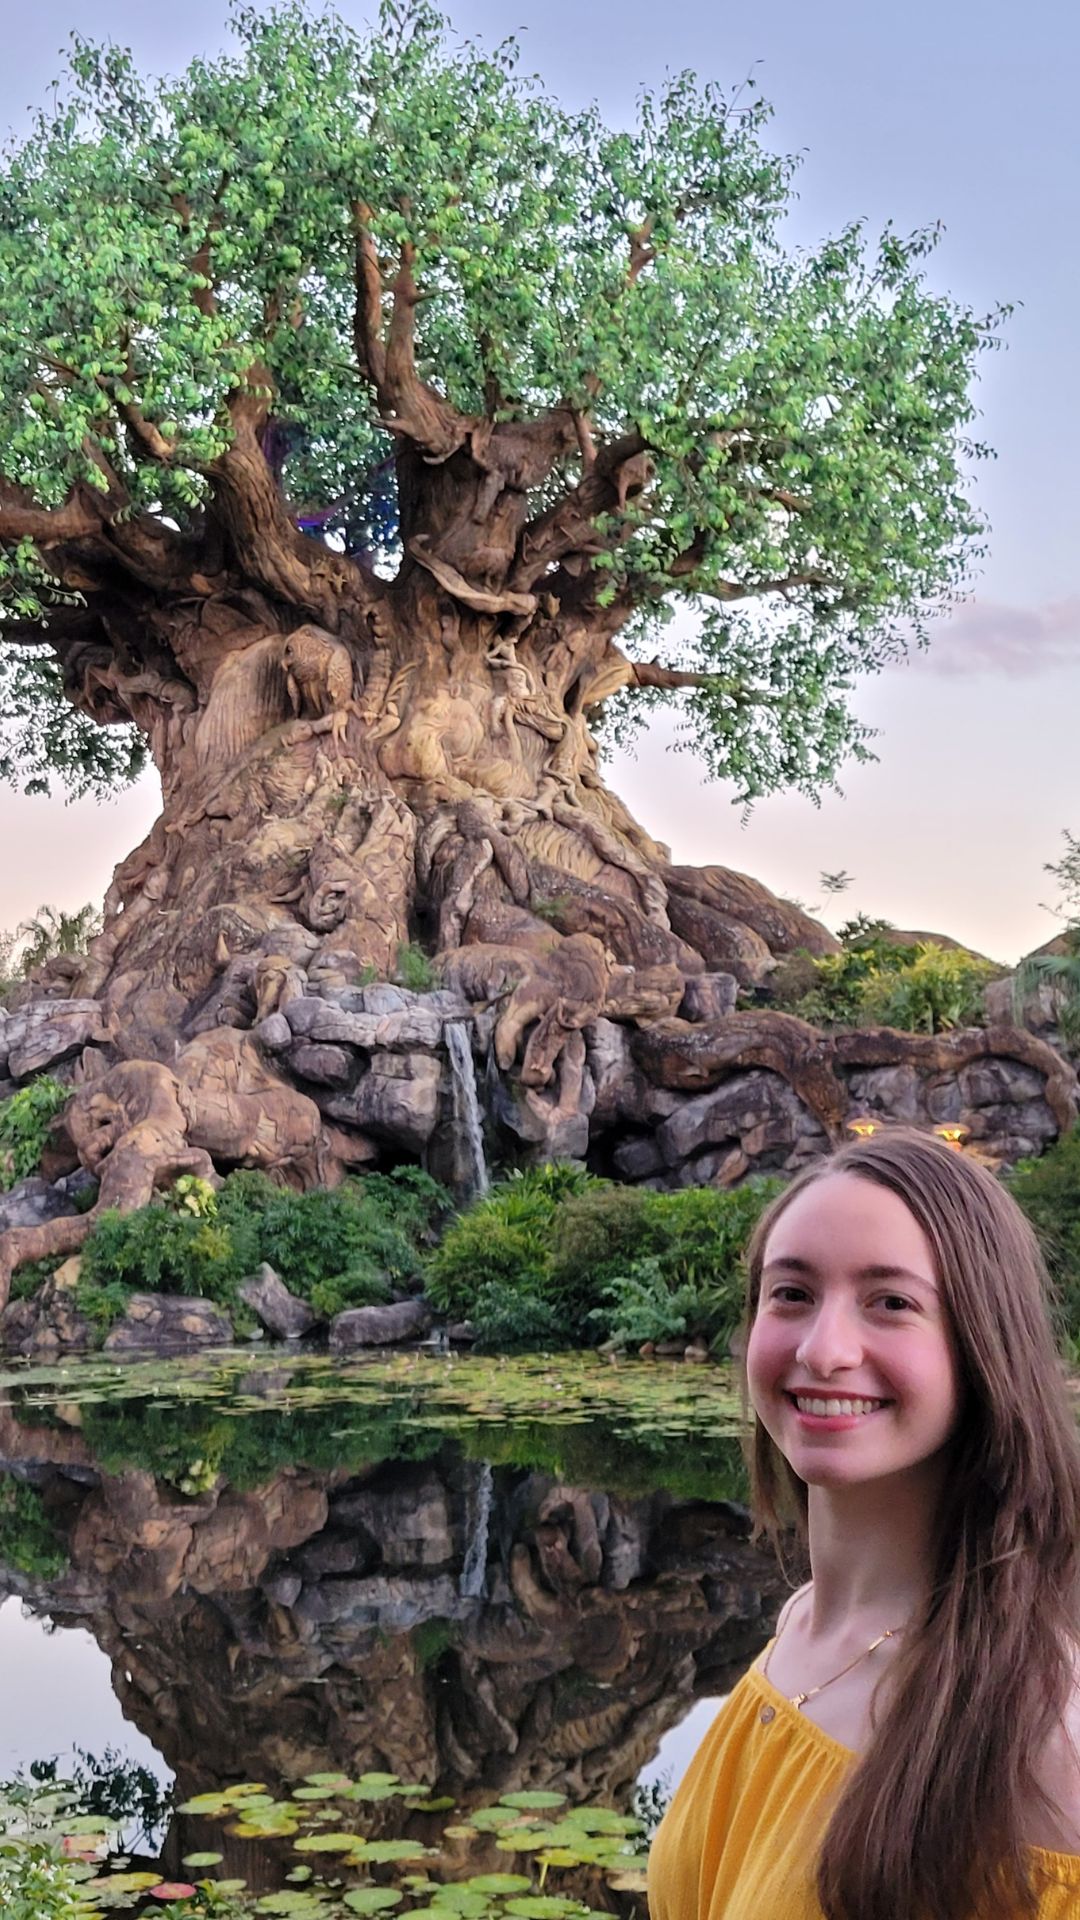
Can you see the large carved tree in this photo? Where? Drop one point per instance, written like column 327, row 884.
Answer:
column 364, row 419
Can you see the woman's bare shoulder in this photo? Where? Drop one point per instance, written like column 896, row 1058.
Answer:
column 787, row 1606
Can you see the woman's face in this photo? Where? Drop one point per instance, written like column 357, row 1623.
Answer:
column 850, row 1360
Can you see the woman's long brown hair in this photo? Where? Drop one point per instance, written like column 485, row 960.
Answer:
column 931, row 1823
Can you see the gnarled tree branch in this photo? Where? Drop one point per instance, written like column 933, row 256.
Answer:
column 407, row 405
column 21, row 518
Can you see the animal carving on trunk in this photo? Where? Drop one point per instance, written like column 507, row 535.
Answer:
column 319, row 679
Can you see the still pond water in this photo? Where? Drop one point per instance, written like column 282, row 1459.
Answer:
column 479, row 1578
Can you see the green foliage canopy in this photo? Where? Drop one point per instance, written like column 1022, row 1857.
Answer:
column 167, row 245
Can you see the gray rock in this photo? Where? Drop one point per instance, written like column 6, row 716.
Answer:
column 282, row 1587
column 410, row 1520
column 410, row 1027
column 274, row 1032
column 402, row 1103
column 638, row 1157
column 379, row 1326
column 1029, row 1120
column 45, row 1031
column 622, row 1091
column 724, row 1167
column 987, row 1083
column 17, row 1323
column 79, row 1182
column 328, row 1065
column 32, row 1202
column 329, row 1552
column 708, row 996
column 624, row 1549
column 382, row 997
column 281, row 1313
column 896, row 1091
column 448, row 1004
column 60, row 1327
column 945, row 1102
column 161, row 1322
column 736, row 1107
column 611, row 1065
column 393, row 1604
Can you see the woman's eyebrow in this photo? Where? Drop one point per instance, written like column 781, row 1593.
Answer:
column 791, row 1263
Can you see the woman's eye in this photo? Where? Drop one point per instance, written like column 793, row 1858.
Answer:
column 788, row 1296
column 895, row 1302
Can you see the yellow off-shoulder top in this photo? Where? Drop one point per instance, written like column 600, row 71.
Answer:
column 740, row 1839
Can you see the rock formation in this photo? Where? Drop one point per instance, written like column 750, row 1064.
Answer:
column 478, row 1630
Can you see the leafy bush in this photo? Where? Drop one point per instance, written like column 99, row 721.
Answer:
column 596, row 1235
column 691, row 1245
column 924, row 988
column 25, row 1120
column 502, row 1239
column 34, row 1885
column 1048, row 1189
column 414, row 970
column 643, row 1306
column 336, row 1249
column 942, row 988
column 26, row 1279
column 364, row 1285
column 29, row 1541
column 557, row 1257
column 507, row 1318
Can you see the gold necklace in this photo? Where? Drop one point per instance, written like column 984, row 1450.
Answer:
column 799, row 1699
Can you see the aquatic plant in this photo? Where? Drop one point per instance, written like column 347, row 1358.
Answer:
column 55, row 1857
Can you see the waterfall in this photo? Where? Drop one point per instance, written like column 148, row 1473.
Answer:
column 467, row 1104
column 474, row 1570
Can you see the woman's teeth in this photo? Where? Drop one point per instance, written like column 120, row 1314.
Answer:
column 829, row 1409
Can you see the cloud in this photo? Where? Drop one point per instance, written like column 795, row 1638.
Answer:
column 984, row 636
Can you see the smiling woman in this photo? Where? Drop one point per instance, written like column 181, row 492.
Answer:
column 908, row 1742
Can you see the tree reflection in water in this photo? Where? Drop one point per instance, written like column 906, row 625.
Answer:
column 482, row 1629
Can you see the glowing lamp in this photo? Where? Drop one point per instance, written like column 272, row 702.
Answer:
column 863, row 1126
column 953, row 1135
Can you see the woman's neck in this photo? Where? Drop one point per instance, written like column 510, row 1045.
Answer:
column 871, row 1552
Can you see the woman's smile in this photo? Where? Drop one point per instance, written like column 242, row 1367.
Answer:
column 849, row 1337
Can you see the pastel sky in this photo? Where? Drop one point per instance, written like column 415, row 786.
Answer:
column 964, row 113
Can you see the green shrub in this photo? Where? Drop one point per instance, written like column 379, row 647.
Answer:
column 29, row 1541
column 413, row 970
column 102, row 1302
column 25, row 1120
column 364, row 1285
column 595, row 1235
column 163, row 1250
column 503, row 1240
column 336, row 1249
column 875, row 981
column 34, row 1885
column 1048, row 1190
column 942, row 988
column 641, row 1305
column 691, row 1245
column 508, row 1318
column 557, row 1257
column 26, row 1280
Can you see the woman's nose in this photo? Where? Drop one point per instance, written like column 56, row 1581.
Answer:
column 831, row 1342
